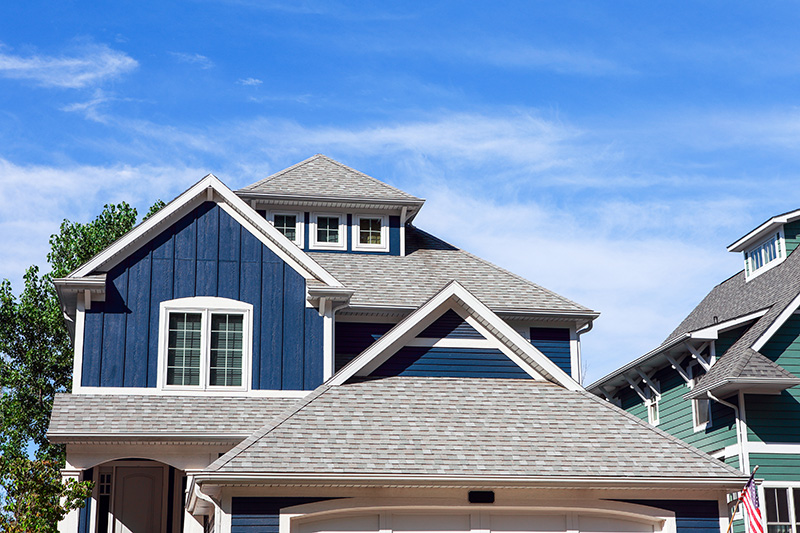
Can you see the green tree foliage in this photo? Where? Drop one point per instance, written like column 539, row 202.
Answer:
column 35, row 364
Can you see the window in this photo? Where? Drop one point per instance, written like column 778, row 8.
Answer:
column 783, row 509
column 205, row 343
column 652, row 410
column 370, row 232
column 290, row 224
column 328, row 232
column 765, row 255
column 701, row 411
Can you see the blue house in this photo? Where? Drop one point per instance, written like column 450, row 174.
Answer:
column 298, row 356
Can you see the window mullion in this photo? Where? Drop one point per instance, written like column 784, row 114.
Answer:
column 205, row 344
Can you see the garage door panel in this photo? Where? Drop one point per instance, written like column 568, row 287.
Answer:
column 425, row 523
column 347, row 524
column 600, row 524
column 526, row 523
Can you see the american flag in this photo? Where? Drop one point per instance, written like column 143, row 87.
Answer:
column 749, row 499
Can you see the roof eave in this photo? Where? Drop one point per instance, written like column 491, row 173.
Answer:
column 755, row 235
column 748, row 385
column 254, row 195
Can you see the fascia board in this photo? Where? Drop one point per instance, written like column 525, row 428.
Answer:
column 755, row 235
column 329, row 199
column 712, row 332
column 779, row 321
column 374, row 480
column 184, row 203
column 764, row 386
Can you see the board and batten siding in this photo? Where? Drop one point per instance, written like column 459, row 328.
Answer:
column 675, row 414
column 776, row 418
column 205, row 253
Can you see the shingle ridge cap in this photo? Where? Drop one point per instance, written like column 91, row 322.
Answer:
column 661, row 432
column 280, row 173
column 267, row 428
column 376, row 180
column 512, row 274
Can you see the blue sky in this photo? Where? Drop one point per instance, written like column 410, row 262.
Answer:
column 606, row 150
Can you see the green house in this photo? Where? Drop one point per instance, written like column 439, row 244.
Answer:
column 725, row 380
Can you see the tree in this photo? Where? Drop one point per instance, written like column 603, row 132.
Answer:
column 35, row 364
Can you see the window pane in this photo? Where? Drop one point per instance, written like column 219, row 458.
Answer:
column 227, row 339
column 328, row 229
column 183, row 349
column 369, row 231
column 796, row 493
column 287, row 224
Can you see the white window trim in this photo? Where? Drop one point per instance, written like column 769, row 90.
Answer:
column 356, row 231
column 780, row 255
column 789, row 485
column 312, row 233
column 653, row 400
column 705, row 425
column 205, row 305
column 300, row 227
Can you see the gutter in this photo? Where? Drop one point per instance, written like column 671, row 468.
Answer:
column 739, row 435
column 578, row 334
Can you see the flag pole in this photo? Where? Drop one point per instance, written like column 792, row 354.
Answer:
column 739, row 500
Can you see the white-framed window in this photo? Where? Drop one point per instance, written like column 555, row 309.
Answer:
column 205, row 343
column 782, row 509
column 701, row 411
column 765, row 255
column 653, row 414
column 327, row 231
column 290, row 223
column 371, row 232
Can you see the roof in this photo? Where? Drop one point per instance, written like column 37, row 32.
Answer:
column 429, row 264
column 322, row 177
column 461, row 427
column 78, row 417
column 774, row 293
column 763, row 230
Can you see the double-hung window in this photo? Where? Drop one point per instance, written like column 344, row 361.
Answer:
column 653, row 415
column 370, row 232
column 783, row 509
column 205, row 343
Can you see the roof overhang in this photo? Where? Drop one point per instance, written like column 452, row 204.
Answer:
column 335, row 294
column 344, row 202
column 145, row 438
column 763, row 230
column 746, row 385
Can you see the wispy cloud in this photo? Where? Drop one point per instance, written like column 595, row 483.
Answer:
column 193, row 59
column 249, row 81
column 521, row 55
column 90, row 65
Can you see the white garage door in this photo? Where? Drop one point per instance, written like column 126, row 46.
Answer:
column 467, row 522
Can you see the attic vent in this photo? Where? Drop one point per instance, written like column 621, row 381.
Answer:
column 481, row 496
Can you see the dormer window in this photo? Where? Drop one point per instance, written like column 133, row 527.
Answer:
column 290, row 224
column 328, row 232
column 765, row 255
column 370, row 232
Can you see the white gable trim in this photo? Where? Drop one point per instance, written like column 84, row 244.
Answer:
column 779, row 321
column 765, row 228
column 712, row 332
column 455, row 296
column 204, row 190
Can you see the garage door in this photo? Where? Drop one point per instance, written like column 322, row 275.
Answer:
column 389, row 522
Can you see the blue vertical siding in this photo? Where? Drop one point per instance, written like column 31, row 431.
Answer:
column 450, row 362
column 450, row 325
column 206, row 253
column 554, row 344
column 352, row 338
column 691, row 516
column 262, row 514
column 85, row 512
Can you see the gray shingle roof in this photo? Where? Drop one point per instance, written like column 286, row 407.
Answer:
column 322, row 177
column 429, row 264
column 81, row 415
column 465, row 426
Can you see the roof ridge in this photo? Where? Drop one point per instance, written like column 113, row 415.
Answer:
column 281, row 172
column 512, row 274
column 661, row 432
column 267, row 428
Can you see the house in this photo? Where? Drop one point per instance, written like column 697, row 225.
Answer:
column 297, row 356
column 725, row 380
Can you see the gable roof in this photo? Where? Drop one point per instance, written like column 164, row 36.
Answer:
column 455, row 296
column 506, row 430
column 320, row 176
column 763, row 230
column 389, row 281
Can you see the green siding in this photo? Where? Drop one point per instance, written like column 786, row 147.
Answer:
column 676, row 414
column 776, row 467
column 791, row 232
column 776, row 418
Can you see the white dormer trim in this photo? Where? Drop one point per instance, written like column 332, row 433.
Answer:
column 485, row 321
column 210, row 188
column 768, row 227
column 754, row 267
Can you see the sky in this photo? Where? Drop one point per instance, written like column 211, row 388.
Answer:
column 608, row 151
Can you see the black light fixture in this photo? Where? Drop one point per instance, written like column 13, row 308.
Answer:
column 481, row 496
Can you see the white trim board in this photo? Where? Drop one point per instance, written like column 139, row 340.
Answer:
column 779, row 321
column 492, row 327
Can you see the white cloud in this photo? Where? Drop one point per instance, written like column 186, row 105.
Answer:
column 519, row 55
column 193, row 59
column 250, row 81
column 89, row 65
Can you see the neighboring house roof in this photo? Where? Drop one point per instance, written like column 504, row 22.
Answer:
column 321, row 177
column 773, row 295
column 389, row 281
column 464, row 427
column 84, row 417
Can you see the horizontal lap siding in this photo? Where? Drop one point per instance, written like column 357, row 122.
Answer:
column 450, row 362
column 791, row 232
column 450, row 326
column 777, row 467
column 554, row 344
column 776, row 418
column 206, row 253
column 262, row 515
column 352, row 338
column 690, row 516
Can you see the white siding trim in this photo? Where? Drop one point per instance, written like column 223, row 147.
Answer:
column 77, row 363
column 776, row 325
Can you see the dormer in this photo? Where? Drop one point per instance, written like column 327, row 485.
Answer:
column 324, row 206
column 769, row 244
